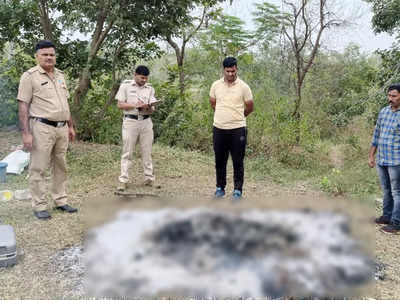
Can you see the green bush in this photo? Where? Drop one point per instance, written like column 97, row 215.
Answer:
column 168, row 94
column 98, row 120
column 11, row 70
column 189, row 125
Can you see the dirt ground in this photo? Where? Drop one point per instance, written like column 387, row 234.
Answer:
column 183, row 180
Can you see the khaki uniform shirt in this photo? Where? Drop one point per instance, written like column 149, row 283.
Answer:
column 230, row 103
column 131, row 92
column 48, row 98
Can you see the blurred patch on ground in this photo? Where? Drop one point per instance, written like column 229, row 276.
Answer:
column 184, row 180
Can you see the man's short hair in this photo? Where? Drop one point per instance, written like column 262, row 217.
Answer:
column 142, row 70
column 229, row 62
column 44, row 44
column 395, row 86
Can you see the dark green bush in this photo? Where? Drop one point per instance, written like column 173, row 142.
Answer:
column 11, row 69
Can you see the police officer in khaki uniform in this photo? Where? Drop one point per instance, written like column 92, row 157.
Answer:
column 46, row 127
column 136, row 99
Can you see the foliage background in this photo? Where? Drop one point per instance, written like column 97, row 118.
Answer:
column 342, row 93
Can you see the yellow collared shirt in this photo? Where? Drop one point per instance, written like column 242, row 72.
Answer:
column 48, row 98
column 230, row 103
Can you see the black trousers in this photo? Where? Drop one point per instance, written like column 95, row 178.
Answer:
column 231, row 141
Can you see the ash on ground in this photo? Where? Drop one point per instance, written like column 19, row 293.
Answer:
column 380, row 271
column 68, row 263
column 202, row 254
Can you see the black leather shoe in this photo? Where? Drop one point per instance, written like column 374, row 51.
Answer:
column 42, row 215
column 67, row 208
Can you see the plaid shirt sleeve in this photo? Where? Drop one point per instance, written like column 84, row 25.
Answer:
column 377, row 130
column 387, row 137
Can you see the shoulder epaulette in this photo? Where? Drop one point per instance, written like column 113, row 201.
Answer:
column 127, row 81
column 33, row 70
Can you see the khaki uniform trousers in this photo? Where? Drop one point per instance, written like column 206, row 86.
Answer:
column 132, row 131
column 49, row 150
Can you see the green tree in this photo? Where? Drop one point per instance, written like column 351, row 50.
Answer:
column 269, row 21
column 19, row 22
column 111, row 29
column 132, row 22
column 303, row 24
column 11, row 66
column 385, row 19
column 186, row 33
column 225, row 36
column 338, row 86
column 385, row 15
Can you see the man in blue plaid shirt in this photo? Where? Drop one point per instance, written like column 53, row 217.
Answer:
column 386, row 140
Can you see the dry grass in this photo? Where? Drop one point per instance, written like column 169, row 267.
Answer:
column 184, row 180
column 387, row 251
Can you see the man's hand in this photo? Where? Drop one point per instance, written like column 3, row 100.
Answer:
column 371, row 157
column 213, row 102
column 71, row 133
column 27, row 139
column 371, row 162
column 147, row 111
column 249, row 107
column 144, row 108
column 141, row 105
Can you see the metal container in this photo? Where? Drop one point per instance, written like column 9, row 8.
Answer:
column 8, row 246
column 3, row 171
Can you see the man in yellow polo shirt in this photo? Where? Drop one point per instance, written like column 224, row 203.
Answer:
column 232, row 101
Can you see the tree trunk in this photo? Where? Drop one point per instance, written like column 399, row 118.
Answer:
column 111, row 97
column 84, row 79
column 181, row 76
column 180, row 56
column 80, row 92
column 297, row 114
column 83, row 86
column 298, row 41
column 115, row 79
column 180, row 52
column 45, row 20
column 299, row 85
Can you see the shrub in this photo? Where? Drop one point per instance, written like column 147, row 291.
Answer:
column 11, row 70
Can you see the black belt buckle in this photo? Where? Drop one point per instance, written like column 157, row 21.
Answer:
column 57, row 124
column 137, row 117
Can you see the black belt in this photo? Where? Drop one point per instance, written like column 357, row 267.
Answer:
column 52, row 123
column 137, row 117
